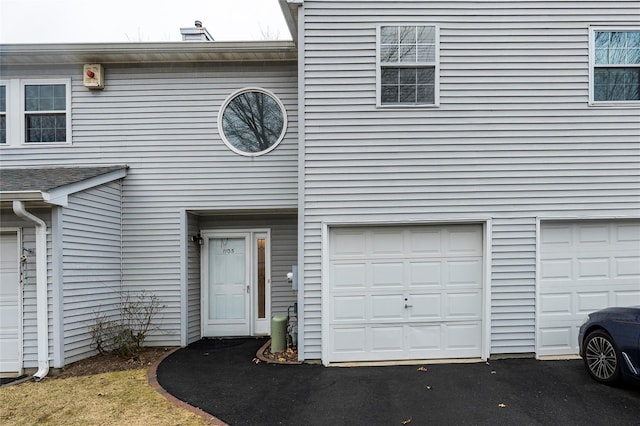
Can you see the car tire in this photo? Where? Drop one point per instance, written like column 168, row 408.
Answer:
column 601, row 357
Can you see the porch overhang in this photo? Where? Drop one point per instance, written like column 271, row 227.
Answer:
column 53, row 185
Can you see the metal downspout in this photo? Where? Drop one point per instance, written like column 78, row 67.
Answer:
column 41, row 289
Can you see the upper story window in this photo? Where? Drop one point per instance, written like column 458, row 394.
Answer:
column 35, row 112
column 408, row 65
column 45, row 113
column 252, row 122
column 615, row 66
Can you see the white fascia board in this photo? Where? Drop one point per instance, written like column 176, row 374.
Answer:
column 21, row 196
column 59, row 196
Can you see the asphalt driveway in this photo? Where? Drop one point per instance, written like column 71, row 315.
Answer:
column 219, row 377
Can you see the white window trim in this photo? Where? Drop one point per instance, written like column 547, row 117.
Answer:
column 224, row 107
column 436, row 86
column 592, row 64
column 16, row 117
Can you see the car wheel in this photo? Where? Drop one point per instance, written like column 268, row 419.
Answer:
column 601, row 357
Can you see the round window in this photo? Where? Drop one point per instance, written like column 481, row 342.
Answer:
column 252, row 122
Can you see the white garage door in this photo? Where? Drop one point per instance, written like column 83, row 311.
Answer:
column 585, row 266
column 405, row 293
column 10, row 343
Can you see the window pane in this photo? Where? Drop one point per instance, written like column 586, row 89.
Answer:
column 426, row 76
column 390, row 75
column 426, row 53
column 45, row 128
column 408, row 94
column 426, row 35
column 408, row 76
column 3, row 129
column 45, row 97
column 253, row 122
column 389, row 53
column 390, row 94
column 616, row 84
column 425, row 94
column 620, row 47
column 389, row 35
column 3, row 98
column 408, row 54
column 407, row 35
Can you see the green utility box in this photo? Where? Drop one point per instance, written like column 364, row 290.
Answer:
column 278, row 333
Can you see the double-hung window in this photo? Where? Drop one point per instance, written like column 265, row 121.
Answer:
column 34, row 112
column 408, row 65
column 615, row 66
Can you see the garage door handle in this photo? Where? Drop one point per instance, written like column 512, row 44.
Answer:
column 407, row 306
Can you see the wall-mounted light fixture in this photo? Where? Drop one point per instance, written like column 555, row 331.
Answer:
column 197, row 239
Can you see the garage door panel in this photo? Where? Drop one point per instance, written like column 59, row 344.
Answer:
column 627, row 298
column 349, row 244
column 349, row 340
column 588, row 302
column 349, row 308
column 627, row 267
column 557, row 338
column 464, row 241
column 424, row 307
column 413, row 285
column 425, row 242
column 424, row 338
column 463, row 306
column 425, row 274
column 386, row 242
column 556, row 303
column 387, row 274
column 590, row 268
column 465, row 336
column 387, row 307
column 628, row 233
column 593, row 235
column 387, row 338
column 349, row 275
column 464, row 273
column 559, row 269
column 584, row 266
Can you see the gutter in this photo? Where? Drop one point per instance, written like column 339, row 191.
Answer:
column 41, row 289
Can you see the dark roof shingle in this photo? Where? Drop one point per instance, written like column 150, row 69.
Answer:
column 49, row 178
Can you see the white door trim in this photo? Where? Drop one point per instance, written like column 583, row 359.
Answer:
column 18, row 233
column 255, row 325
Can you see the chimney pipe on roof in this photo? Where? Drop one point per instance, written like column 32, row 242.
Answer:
column 197, row 33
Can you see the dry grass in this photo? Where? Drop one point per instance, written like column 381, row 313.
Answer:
column 115, row 398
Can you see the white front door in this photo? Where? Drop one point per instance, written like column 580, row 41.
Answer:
column 236, row 284
column 10, row 338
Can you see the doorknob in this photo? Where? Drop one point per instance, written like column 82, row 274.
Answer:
column 247, row 289
column 407, row 306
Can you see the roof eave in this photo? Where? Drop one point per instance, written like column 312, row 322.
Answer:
column 20, row 54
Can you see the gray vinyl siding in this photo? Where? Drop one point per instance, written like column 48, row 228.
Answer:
column 513, row 139
column 161, row 120
column 193, row 280
column 92, row 259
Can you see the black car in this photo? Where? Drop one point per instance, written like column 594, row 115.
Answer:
column 610, row 344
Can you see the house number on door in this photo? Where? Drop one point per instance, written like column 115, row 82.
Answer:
column 228, row 251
